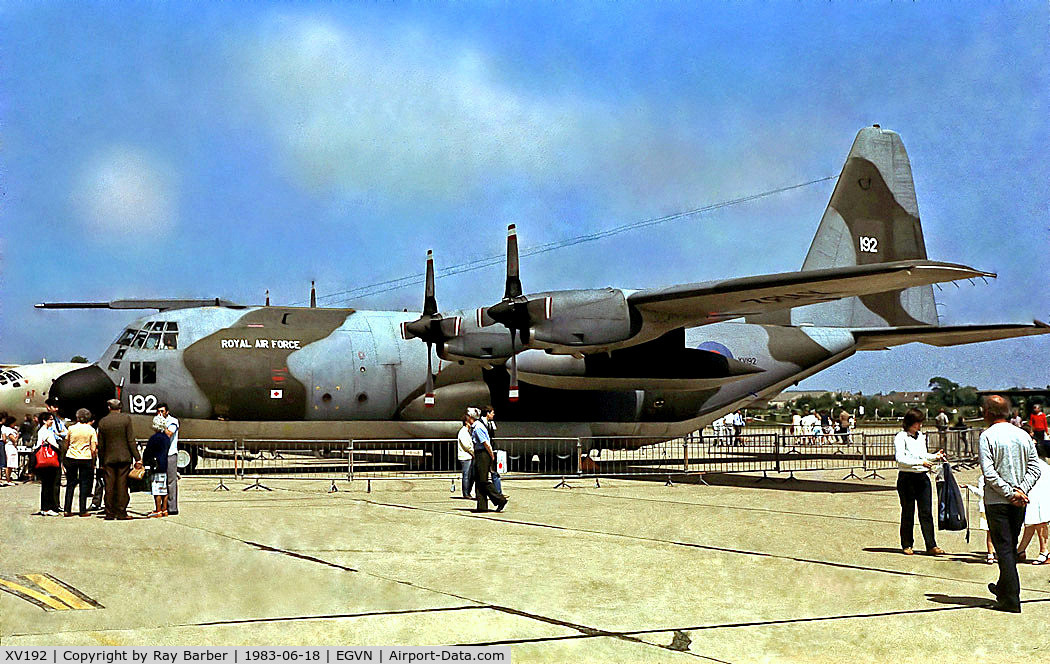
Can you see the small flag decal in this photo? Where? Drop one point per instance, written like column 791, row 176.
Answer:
column 276, row 394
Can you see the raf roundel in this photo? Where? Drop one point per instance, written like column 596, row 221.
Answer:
column 715, row 347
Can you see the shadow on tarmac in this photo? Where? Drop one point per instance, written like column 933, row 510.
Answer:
column 776, row 483
column 959, row 600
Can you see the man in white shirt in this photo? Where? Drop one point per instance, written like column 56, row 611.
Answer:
column 173, row 458
column 465, row 454
column 810, row 424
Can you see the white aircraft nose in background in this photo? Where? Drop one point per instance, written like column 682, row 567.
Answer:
column 24, row 388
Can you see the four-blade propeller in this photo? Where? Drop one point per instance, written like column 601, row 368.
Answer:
column 515, row 311
column 431, row 327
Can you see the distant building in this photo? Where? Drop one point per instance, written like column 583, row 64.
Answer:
column 787, row 396
column 906, row 399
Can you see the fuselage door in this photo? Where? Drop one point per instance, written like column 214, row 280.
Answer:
column 374, row 387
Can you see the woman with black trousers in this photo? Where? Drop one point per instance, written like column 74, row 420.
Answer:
column 48, row 475
column 79, row 461
column 913, row 482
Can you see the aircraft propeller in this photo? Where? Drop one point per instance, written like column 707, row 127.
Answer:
column 515, row 311
column 431, row 327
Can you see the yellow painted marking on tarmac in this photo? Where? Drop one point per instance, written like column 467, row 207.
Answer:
column 56, row 589
column 45, row 602
column 47, row 592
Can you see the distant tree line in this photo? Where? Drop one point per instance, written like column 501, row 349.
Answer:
column 944, row 393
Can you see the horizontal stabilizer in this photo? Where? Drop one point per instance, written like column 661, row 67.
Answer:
column 883, row 338
column 160, row 305
column 712, row 301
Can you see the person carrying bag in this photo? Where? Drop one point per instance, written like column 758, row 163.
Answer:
column 45, row 465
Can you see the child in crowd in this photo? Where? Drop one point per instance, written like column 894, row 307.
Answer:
column 10, row 444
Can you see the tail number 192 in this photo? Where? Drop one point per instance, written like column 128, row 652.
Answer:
column 142, row 403
column 869, row 245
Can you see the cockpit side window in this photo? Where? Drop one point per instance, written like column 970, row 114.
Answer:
column 170, row 341
column 152, row 341
column 125, row 339
column 139, row 339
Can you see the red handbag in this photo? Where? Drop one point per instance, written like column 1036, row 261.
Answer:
column 46, row 457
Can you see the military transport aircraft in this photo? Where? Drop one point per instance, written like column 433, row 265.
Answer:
column 24, row 388
column 656, row 362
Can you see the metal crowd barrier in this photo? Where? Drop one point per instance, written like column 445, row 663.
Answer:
column 725, row 451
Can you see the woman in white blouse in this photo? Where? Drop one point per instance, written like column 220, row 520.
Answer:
column 913, row 482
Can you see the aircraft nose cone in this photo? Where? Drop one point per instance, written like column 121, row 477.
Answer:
column 89, row 388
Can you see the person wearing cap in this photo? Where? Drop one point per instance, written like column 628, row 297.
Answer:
column 116, row 449
column 484, row 459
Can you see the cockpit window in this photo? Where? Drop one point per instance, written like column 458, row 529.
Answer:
column 3, row 379
column 154, row 335
column 139, row 339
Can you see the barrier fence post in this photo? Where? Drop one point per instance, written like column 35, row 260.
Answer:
column 685, row 455
column 874, row 474
column 222, row 485
column 350, row 463
column 579, row 458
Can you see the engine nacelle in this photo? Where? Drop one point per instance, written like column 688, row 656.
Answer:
column 478, row 343
column 580, row 318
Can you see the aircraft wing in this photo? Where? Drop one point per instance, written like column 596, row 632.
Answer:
column 160, row 305
column 954, row 335
column 713, row 301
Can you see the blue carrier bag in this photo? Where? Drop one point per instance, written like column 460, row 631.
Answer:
column 951, row 510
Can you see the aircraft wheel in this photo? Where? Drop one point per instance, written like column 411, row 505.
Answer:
column 187, row 460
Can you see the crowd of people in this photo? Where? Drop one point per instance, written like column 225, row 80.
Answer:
column 97, row 456
column 1014, row 486
column 821, row 428
column 480, row 459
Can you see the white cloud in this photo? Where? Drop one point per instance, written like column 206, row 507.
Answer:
column 125, row 190
column 413, row 118
column 352, row 112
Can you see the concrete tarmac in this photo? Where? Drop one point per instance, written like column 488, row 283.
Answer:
column 808, row 570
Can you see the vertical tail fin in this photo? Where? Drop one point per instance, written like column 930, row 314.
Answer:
column 872, row 217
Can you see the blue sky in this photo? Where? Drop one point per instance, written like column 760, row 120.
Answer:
column 201, row 150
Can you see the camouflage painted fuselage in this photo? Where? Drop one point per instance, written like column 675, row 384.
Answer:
column 262, row 365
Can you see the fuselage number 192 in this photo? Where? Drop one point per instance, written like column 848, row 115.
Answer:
column 142, row 403
column 869, row 245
